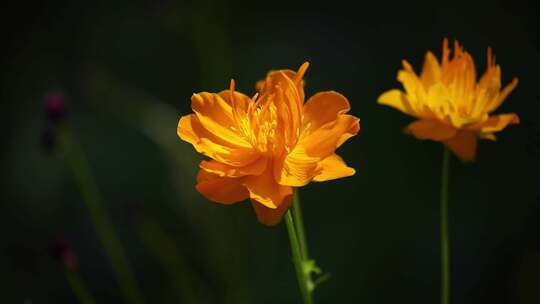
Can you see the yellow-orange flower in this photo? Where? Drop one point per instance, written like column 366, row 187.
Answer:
column 263, row 147
column 451, row 106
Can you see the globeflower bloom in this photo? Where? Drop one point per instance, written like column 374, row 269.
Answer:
column 263, row 147
column 450, row 105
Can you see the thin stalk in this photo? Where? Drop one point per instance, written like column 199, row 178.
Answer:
column 445, row 239
column 297, row 259
column 299, row 225
column 76, row 159
column 78, row 287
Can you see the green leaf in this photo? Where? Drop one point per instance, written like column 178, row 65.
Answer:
column 310, row 269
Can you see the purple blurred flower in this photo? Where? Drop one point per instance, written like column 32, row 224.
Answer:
column 61, row 250
column 55, row 105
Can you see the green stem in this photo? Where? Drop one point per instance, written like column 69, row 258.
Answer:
column 299, row 225
column 79, row 288
column 297, row 259
column 445, row 239
column 102, row 223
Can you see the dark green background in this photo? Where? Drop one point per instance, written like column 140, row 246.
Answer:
column 129, row 69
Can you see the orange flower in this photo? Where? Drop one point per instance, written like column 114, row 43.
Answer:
column 263, row 147
column 450, row 105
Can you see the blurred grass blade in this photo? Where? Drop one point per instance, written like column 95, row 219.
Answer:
column 79, row 288
column 186, row 284
column 102, row 223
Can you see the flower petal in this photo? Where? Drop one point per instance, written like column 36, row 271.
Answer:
column 215, row 115
column 463, row 145
column 488, row 136
column 438, row 105
column 497, row 123
column 219, row 189
column 333, row 167
column 238, row 101
column 289, row 105
column 397, row 100
column 271, row 217
column 430, row 129
column 487, row 89
column 496, row 102
column 278, row 78
column 191, row 130
column 265, row 190
column 296, row 169
column 414, row 88
column 326, row 139
column 324, row 107
column 273, row 78
column 241, row 98
column 255, row 168
column 431, row 71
